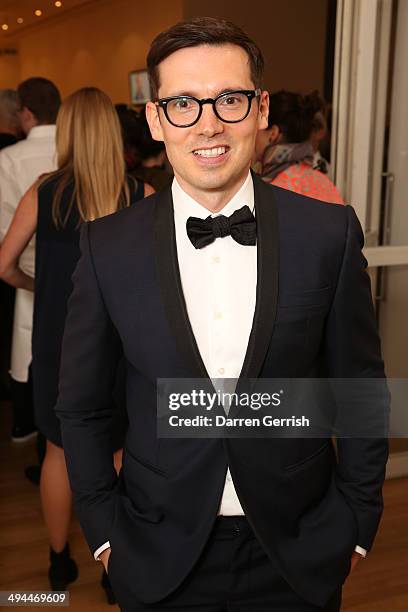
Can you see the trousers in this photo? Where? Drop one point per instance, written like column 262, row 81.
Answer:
column 234, row 574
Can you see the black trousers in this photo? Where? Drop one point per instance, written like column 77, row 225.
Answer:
column 22, row 403
column 234, row 574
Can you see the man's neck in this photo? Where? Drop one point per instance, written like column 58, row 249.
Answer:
column 214, row 201
column 39, row 125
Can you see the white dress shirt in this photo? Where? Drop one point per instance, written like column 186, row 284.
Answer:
column 221, row 306
column 20, row 166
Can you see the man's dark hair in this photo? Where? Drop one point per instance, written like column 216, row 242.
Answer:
column 136, row 133
column 201, row 31
column 147, row 146
column 294, row 114
column 41, row 97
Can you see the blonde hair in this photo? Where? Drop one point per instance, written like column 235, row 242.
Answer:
column 90, row 154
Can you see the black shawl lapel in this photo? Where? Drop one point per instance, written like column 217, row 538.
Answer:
column 267, row 279
column 170, row 285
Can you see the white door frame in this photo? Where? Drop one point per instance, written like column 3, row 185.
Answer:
column 361, row 82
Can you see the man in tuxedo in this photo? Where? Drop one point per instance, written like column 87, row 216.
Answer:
column 219, row 276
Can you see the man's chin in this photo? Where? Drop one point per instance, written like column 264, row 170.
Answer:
column 215, row 179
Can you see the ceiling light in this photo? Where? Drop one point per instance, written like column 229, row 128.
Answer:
column 58, row 3
column 20, row 20
column 4, row 26
column 38, row 13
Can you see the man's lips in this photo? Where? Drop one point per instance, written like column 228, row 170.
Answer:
column 209, row 152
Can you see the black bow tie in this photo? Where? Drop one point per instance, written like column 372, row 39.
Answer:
column 241, row 226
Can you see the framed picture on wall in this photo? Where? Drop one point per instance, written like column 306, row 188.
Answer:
column 139, row 87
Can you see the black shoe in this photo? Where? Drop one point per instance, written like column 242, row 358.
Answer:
column 22, row 434
column 33, row 473
column 62, row 571
column 106, row 585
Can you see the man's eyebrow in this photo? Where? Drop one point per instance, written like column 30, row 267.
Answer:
column 193, row 94
column 180, row 94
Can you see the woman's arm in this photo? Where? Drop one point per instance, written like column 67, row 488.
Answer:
column 18, row 236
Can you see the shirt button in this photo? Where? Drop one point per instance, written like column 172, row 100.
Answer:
column 218, row 315
column 216, row 259
column 221, row 370
column 229, row 476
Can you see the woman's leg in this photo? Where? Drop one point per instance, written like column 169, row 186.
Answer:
column 56, row 497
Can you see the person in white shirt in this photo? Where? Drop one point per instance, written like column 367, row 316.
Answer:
column 10, row 130
column 220, row 276
column 20, row 166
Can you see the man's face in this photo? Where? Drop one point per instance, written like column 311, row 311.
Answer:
column 205, row 72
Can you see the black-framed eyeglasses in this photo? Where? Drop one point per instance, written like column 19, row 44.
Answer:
column 230, row 107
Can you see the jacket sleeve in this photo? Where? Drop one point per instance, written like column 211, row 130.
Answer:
column 353, row 352
column 90, row 353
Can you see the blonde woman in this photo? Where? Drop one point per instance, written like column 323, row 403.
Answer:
column 90, row 182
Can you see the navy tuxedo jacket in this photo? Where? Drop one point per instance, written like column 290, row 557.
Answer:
column 313, row 318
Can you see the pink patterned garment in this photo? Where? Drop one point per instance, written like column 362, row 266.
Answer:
column 301, row 178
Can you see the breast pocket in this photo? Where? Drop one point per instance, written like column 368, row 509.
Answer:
column 308, row 299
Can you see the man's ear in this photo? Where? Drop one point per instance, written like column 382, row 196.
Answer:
column 28, row 119
column 274, row 134
column 153, row 119
column 263, row 111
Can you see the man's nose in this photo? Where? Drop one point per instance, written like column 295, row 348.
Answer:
column 209, row 124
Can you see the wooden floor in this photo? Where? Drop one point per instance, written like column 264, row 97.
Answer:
column 379, row 584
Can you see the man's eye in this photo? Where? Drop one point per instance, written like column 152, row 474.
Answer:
column 231, row 101
column 183, row 104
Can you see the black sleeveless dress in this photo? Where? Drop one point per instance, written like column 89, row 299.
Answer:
column 57, row 253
